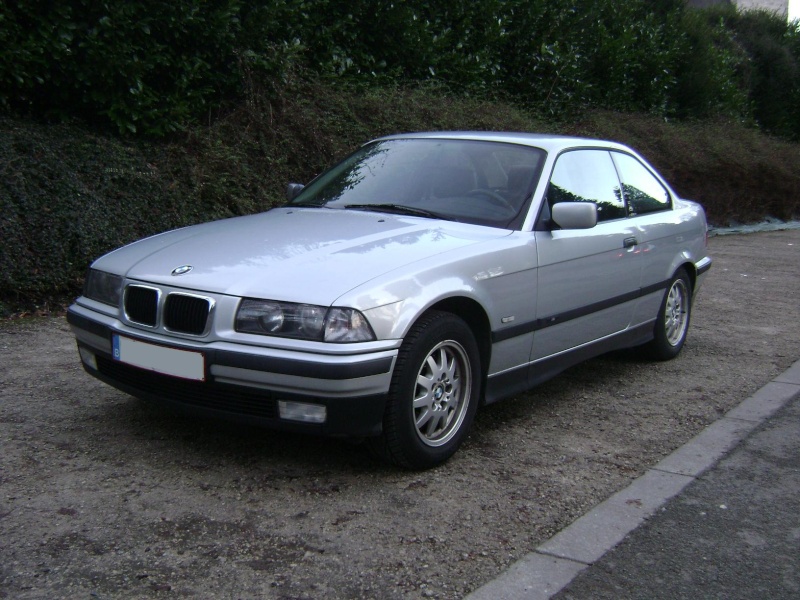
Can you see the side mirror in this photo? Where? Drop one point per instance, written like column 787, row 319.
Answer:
column 293, row 190
column 574, row 215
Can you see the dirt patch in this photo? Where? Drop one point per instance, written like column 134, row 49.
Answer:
column 104, row 495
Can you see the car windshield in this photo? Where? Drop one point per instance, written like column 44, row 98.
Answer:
column 480, row 182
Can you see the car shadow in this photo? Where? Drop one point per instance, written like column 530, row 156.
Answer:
column 175, row 436
column 158, row 433
column 584, row 379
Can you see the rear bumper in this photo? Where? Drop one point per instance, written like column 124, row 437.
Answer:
column 702, row 267
column 245, row 383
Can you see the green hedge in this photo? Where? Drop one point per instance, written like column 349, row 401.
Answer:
column 144, row 66
column 155, row 67
column 68, row 195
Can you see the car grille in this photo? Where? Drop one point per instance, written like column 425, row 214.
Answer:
column 209, row 395
column 183, row 313
column 141, row 305
column 187, row 314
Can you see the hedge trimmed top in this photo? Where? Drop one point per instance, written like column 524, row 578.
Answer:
column 154, row 67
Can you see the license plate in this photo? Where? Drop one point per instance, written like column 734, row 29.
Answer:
column 185, row 364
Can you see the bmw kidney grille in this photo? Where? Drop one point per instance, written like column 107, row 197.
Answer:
column 182, row 313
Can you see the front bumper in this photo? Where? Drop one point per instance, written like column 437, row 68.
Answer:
column 246, row 383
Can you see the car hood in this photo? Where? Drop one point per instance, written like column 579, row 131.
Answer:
column 291, row 254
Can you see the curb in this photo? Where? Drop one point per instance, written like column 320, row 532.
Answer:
column 554, row 564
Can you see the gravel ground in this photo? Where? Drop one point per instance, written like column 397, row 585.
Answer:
column 102, row 495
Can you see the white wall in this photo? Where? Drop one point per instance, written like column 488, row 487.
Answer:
column 790, row 8
column 778, row 6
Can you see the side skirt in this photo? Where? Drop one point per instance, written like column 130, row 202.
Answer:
column 525, row 377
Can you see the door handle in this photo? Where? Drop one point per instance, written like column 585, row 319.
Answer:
column 629, row 242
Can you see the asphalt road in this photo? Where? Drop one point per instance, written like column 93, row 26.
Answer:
column 734, row 534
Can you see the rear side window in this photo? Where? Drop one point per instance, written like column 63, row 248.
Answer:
column 587, row 176
column 643, row 192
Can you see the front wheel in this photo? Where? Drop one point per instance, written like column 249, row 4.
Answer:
column 672, row 323
column 434, row 393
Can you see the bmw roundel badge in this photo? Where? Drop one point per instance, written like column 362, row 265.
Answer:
column 182, row 270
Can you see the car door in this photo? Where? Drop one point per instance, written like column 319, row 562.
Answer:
column 588, row 279
column 647, row 199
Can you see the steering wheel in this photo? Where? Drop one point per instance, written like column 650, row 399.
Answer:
column 493, row 196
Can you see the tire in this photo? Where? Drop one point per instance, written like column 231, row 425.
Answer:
column 672, row 323
column 434, row 393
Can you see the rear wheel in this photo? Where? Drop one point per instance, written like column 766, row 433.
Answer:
column 672, row 323
column 434, row 393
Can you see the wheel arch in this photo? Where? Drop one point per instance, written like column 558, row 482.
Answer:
column 691, row 271
column 402, row 441
column 474, row 315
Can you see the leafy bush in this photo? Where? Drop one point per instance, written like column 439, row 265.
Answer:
column 145, row 66
column 774, row 78
column 565, row 55
column 68, row 195
column 153, row 67
column 245, row 69
column 712, row 69
column 750, row 69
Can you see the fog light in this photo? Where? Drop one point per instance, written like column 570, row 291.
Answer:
column 87, row 356
column 300, row 411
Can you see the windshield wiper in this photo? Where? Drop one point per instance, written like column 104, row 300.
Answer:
column 400, row 209
column 304, row 205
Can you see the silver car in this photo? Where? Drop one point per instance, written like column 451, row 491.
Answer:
column 423, row 276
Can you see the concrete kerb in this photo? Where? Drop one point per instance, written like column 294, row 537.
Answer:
column 553, row 565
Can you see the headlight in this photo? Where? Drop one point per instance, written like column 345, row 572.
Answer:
column 347, row 325
column 103, row 287
column 303, row 321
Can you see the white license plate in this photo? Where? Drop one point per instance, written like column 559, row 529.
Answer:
column 167, row 361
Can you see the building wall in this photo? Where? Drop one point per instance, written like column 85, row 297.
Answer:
column 778, row 6
column 707, row 3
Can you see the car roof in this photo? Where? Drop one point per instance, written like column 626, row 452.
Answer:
column 545, row 141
